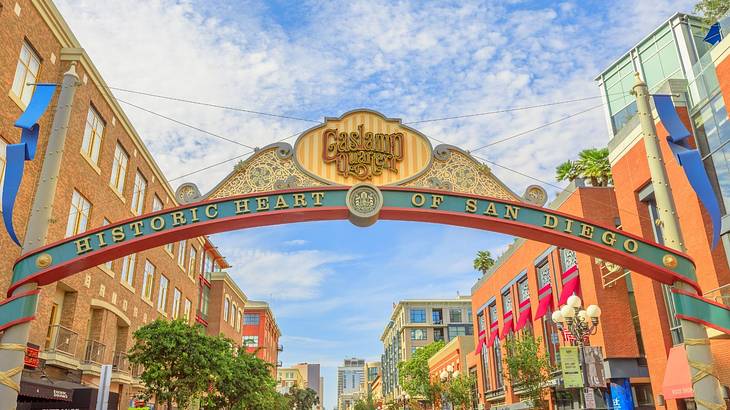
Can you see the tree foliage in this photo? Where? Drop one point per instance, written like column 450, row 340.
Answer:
column 366, row 404
column 301, row 399
column 458, row 391
column 712, row 10
column 182, row 365
column 592, row 164
column 413, row 374
column 483, row 261
column 528, row 367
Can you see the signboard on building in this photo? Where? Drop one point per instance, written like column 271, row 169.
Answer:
column 590, row 398
column 593, row 359
column 31, row 360
column 570, row 365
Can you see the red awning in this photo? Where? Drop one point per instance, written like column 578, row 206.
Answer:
column 571, row 285
column 493, row 334
column 509, row 324
column 525, row 315
column 677, row 377
column 545, row 301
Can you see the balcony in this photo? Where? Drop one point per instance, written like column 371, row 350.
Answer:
column 61, row 348
column 120, row 363
column 94, row 353
column 280, row 348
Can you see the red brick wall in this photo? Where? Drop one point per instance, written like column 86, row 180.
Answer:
column 268, row 335
column 216, row 325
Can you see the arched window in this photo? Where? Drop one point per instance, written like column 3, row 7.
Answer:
column 226, row 308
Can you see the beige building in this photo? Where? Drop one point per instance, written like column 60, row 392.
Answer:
column 417, row 323
column 288, row 377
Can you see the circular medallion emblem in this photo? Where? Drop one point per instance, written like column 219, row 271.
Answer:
column 364, row 202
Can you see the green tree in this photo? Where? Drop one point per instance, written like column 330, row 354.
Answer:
column 458, row 391
column 366, row 404
column 178, row 361
column 301, row 399
column 567, row 171
column 413, row 374
column 592, row 164
column 483, row 261
column 528, row 367
column 712, row 10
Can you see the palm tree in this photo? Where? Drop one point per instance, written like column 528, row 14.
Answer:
column 567, row 171
column 593, row 164
column 483, row 261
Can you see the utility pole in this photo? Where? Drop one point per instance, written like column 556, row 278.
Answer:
column 707, row 393
column 35, row 235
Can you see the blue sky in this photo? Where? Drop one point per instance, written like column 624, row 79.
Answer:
column 331, row 284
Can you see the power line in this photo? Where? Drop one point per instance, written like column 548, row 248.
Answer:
column 519, row 134
column 206, row 104
column 184, row 124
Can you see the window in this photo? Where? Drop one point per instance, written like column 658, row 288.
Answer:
column 156, row 203
column 481, row 321
column 660, row 59
column 108, row 265
column 78, row 215
column 455, row 315
column 418, row 315
column 468, row 315
column 119, row 169
column 186, row 309
column 26, row 72
column 551, row 338
column 176, row 296
column 543, row 273
column 239, row 320
column 568, row 258
column 91, row 144
column 250, row 319
column 149, row 276
column 460, row 330
column 170, row 248
column 204, row 297
column 226, row 309
column 712, row 127
column 181, row 254
column 162, row 295
column 3, row 146
column 234, row 309
column 193, row 254
column 418, row 334
column 138, row 194
column 207, row 263
column 523, row 290
column 251, row 341
column 437, row 316
column 128, row 263
column 497, row 349
column 485, row 369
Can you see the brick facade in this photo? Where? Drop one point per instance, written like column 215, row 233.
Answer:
column 265, row 329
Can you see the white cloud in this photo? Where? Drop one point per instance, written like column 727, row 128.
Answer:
column 296, row 242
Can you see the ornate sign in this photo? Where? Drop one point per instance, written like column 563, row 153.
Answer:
column 362, row 154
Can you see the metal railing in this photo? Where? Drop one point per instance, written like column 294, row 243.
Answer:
column 280, row 348
column 120, row 362
column 720, row 295
column 136, row 370
column 63, row 340
column 94, row 352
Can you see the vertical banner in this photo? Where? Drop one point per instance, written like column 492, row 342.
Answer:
column 570, row 365
column 593, row 359
column 621, row 397
column 105, row 378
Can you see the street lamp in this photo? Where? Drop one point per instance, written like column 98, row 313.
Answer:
column 446, row 375
column 576, row 321
column 404, row 399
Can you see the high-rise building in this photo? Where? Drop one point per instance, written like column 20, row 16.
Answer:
column 417, row 323
column 311, row 377
column 349, row 378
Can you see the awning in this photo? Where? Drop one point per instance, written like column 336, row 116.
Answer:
column 493, row 333
column 545, row 301
column 525, row 315
column 571, row 284
column 43, row 389
column 677, row 378
column 509, row 324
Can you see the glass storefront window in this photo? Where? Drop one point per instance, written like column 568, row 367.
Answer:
column 713, row 130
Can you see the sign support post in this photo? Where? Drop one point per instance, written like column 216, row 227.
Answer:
column 707, row 389
column 11, row 359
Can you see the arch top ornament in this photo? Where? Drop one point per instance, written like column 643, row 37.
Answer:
column 361, row 146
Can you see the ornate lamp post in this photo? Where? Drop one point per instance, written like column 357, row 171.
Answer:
column 446, row 375
column 577, row 322
column 403, row 399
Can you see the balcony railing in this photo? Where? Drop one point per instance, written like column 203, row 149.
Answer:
column 136, row 370
column 120, row 362
column 63, row 340
column 280, row 348
column 94, row 352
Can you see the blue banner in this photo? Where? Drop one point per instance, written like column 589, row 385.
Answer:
column 17, row 154
column 621, row 397
column 690, row 160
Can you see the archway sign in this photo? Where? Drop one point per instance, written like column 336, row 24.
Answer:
column 363, row 167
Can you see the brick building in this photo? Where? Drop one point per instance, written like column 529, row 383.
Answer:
column 527, row 283
column 225, row 315
column 107, row 175
column 261, row 333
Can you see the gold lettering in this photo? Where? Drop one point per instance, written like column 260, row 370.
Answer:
column 586, row 231
column 281, row 202
column 118, row 234
column 511, row 212
column 262, row 203
column 157, row 223
column 418, row 200
column 362, row 154
column 100, row 237
column 471, row 205
column 242, row 206
column 178, row 218
column 317, row 197
column 491, row 209
column 631, row 245
column 436, row 200
column 194, row 212
column 137, row 227
column 211, row 211
column 83, row 245
column 299, row 200
column 609, row 238
column 568, row 226
column 551, row 221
